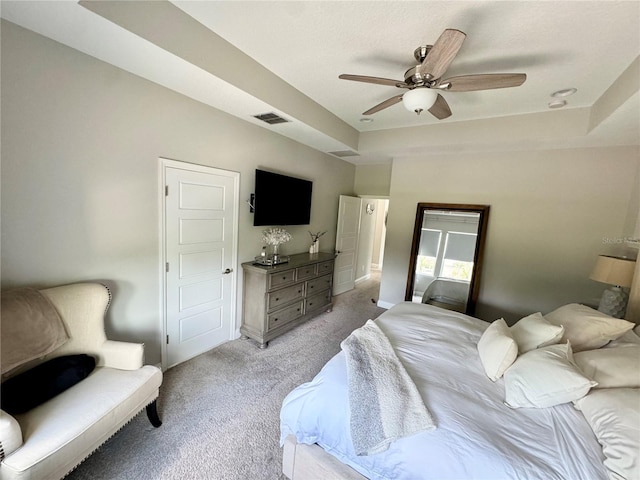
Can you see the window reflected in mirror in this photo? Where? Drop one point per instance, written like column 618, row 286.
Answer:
column 445, row 255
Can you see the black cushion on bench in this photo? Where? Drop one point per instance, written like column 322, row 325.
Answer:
column 23, row 392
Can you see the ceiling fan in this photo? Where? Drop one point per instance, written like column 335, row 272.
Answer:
column 425, row 79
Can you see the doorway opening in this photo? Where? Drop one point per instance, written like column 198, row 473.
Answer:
column 373, row 231
column 360, row 240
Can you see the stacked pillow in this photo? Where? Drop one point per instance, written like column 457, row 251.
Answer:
column 535, row 332
column 587, row 328
column 612, row 367
column 535, row 355
column 545, row 372
column 604, row 383
column 545, row 377
column 614, row 416
column 498, row 349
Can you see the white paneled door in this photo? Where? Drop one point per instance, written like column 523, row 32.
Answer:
column 200, row 238
column 348, row 232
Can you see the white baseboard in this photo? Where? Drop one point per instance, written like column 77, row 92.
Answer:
column 386, row 305
column 363, row 278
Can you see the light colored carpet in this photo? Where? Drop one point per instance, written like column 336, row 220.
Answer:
column 220, row 410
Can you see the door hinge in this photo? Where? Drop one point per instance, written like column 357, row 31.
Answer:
column 166, row 267
column 166, row 190
column 167, row 339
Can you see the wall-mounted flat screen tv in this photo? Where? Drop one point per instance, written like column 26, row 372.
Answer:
column 281, row 199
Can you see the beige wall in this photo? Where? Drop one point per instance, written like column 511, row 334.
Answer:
column 80, row 147
column 373, row 180
column 633, row 231
column 632, row 223
column 552, row 213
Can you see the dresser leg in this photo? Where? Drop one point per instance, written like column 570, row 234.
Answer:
column 264, row 345
column 244, row 337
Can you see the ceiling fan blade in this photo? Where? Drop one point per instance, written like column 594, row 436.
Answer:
column 442, row 53
column 376, row 80
column 383, row 105
column 440, row 109
column 471, row 83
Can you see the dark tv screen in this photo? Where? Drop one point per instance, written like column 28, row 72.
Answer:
column 281, row 200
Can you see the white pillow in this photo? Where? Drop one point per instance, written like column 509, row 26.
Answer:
column 587, row 328
column 545, row 377
column 10, row 434
column 629, row 339
column 534, row 332
column 497, row 349
column 614, row 417
column 611, row 367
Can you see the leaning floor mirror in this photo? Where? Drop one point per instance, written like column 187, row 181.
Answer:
column 446, row 255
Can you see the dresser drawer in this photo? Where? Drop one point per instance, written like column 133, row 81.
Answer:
column 284, row 296
column 285, row 315
column 319, row 284
column 280, row 279
column 307, row 271
column 325, row 267
column 317, row 301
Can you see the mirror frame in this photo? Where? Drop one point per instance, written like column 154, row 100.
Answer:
column 474, row 284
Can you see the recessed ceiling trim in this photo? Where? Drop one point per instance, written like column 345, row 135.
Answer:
column 345, row 153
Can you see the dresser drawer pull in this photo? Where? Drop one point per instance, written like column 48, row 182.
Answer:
column 277, row 299
column 275, row 320
column 310, row 286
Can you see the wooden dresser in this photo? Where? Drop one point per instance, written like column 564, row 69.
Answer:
column 277, row 298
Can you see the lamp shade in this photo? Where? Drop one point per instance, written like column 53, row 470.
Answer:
column 419, row 99
column 614, row 271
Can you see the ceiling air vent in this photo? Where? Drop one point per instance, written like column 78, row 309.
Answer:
column 271, row 118
column 345, row 153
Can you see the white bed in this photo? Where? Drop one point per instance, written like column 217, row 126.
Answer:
column 477, row 435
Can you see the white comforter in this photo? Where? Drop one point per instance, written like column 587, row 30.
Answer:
column 477, row 436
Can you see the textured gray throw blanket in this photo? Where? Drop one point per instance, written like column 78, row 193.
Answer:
column 384, row 402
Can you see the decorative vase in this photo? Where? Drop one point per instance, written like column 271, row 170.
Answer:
column 316, row 246
column 275, row 256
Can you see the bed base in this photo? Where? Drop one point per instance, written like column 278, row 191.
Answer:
column 311, row 462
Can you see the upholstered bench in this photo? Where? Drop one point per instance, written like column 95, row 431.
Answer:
column 50, row 440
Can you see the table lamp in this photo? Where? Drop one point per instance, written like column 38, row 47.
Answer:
column 618, row 272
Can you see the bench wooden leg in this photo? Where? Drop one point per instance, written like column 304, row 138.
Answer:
column 152, row 413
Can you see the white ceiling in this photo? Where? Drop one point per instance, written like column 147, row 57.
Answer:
column 307, row 44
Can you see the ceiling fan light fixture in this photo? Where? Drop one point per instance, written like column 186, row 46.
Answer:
column 419, row 99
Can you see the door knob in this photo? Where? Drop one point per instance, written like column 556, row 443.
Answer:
column 227, row 271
